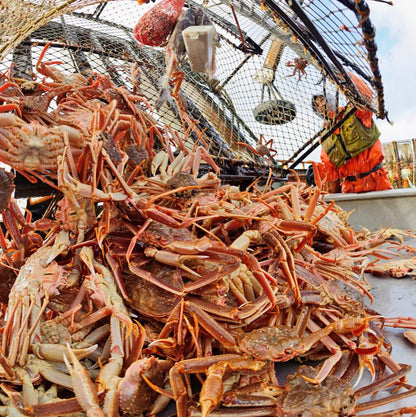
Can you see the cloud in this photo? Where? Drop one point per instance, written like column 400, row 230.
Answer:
column 395, row 34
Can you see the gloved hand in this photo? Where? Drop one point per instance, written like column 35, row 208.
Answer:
column 310, row 177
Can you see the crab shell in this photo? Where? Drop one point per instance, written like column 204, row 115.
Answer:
column 136, row 396
column 332, row 398
column 278, row 344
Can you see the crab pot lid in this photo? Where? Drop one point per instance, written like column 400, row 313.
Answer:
column 275, row 112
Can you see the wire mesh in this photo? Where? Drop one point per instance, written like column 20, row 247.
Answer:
column 19, row 18
column 237, row 105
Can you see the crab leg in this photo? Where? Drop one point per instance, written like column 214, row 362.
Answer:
column 196, row 365
column 387, row 400
column 402, row 322
column 211, row 326
column 240, row 412
column 55, row 409
column 383, row 382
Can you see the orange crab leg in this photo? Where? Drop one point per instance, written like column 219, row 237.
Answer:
column 211, row 326
column 41, row 56
column 246, row 145
column 9, row 107
column 316, row 194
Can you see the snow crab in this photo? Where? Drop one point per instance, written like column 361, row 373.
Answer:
column 32, row 147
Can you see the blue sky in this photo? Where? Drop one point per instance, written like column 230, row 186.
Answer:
column 396, row 38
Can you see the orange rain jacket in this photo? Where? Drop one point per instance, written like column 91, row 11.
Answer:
column 362, row 164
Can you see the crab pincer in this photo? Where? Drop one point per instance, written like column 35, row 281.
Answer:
column 84, row 388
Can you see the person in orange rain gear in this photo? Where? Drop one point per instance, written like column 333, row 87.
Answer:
column 353, row 153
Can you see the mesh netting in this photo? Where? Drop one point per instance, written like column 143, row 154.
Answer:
column 19, row 18
column 322, row 45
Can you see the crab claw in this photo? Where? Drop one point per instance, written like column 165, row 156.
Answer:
column 173, row 259
column 83, row 386
column 55, row 353
column 61, row 245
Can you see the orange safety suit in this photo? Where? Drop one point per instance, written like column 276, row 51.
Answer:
column 360, row 173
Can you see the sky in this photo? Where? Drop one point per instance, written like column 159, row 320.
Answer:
column 396, row 38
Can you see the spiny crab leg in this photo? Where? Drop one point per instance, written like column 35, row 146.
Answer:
column 5, row 364
column 366, row 351
column 55, row 409
column 383, row 401
column 352, row 325
column 383, row 382
column 239, row 412
column 402, row 322
column 398, row 376
column 286, row 261
column 392, row 413
column 115, row 269
column 210, row 325
column 211, row 277
column 130, row 193
column 125, row 339
column 146, row 275
column 257, row 394
column 316, row 194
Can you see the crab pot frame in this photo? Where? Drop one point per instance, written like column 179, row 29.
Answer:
column 335, row 38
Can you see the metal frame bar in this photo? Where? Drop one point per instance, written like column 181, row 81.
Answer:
column 343, row 116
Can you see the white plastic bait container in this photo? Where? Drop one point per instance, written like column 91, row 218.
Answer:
column 200, row 43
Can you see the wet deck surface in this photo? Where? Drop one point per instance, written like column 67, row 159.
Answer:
column 392, row 298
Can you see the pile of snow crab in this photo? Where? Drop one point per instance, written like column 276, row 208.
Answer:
column 147, row 284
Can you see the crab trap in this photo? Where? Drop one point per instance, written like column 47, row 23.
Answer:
column 271, row 58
